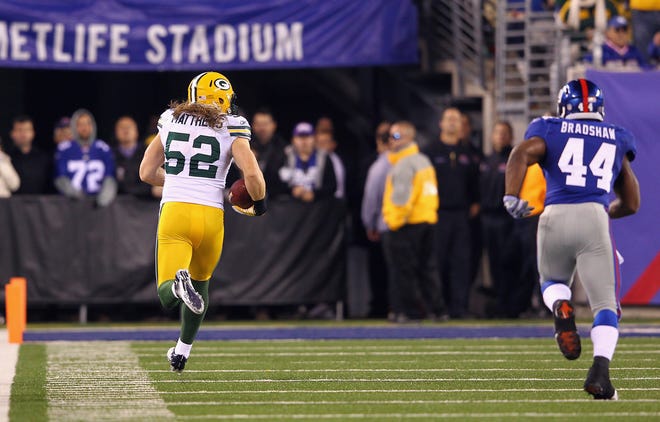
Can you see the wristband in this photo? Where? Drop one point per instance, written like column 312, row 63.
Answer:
column 260, row 206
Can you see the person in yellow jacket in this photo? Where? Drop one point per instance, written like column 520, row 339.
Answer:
column 410, row 211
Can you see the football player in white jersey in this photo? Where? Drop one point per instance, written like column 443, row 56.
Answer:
column 190, row 157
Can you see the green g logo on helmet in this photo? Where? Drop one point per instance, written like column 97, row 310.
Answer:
column 212, row 88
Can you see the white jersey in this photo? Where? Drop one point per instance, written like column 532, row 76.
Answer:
column 197, row 157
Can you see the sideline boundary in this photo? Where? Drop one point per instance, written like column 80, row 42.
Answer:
column 322, row 333
column 9, row 357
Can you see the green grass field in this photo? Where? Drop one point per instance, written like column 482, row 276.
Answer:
column 374, row 380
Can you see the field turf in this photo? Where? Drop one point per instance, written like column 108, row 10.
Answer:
column 311, row 380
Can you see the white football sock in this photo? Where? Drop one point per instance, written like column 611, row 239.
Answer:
column 182, row 349
column 604, row 338
column 556, row 292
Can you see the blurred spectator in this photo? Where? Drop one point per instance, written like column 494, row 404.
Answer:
column 84, row 165
column 325, row 141
column 468, row 136
column 653, row 50
column 268, row 146
column 62, row 130
column 9, row 179
column 128, row 154
column 375, row 227
column 410, row 204
column 316, row 179
column 543, row 5
column 582, row 15
column 645, row 15
column 324, row 124
column 458, row 186
column 152, row 129
column 470, row 140
column 34, row 166
column 307, row 171
column 617, row 49
column 501, row 235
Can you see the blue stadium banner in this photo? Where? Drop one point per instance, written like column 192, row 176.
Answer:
column 202, row 34
column 629, row 103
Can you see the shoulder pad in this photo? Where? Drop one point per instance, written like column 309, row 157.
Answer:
column 235, row 120
column 100, row 144
column 165, row 117
column 538, row 120
column 64, row 145
column 238, row 127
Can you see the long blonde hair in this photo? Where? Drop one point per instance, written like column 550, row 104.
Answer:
column 211, row 114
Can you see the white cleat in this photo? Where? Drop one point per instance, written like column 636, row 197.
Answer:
column 184, row 290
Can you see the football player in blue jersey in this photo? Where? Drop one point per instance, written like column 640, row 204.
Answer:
column 585, row 162
column 84, row 165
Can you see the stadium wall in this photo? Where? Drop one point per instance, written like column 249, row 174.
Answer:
column 74, row 253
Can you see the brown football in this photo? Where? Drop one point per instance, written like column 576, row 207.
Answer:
column 239, row 196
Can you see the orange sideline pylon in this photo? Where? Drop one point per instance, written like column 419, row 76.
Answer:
column 16, row 308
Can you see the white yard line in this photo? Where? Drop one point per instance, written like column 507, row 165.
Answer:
column 241, row 347
column 378, row 391
column 387, row 380
column 259, row 354
column 384, row 402
column 261, row 371
column 640, row 330
column 617, row 358
column 121, row 391
column 427, row 416
column 8, row 359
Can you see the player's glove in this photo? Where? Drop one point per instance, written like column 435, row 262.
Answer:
column 518, row 208
column 257, row 209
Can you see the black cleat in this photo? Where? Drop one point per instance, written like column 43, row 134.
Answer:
column 177, row 362
column 598, row 382
column 184, row 290
column 566, row 332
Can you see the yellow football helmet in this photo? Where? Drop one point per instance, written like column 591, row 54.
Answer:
column 213, row 88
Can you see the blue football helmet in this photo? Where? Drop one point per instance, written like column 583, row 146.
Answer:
column 580, row 99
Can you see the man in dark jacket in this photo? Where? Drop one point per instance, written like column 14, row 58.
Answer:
column 509, row 243
column 458, row 189
column 128, row 155
column 34, row 166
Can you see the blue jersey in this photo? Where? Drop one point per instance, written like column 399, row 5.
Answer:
column 583, row 158
column 86, row 167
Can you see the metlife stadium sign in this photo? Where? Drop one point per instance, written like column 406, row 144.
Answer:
column 189, row 35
